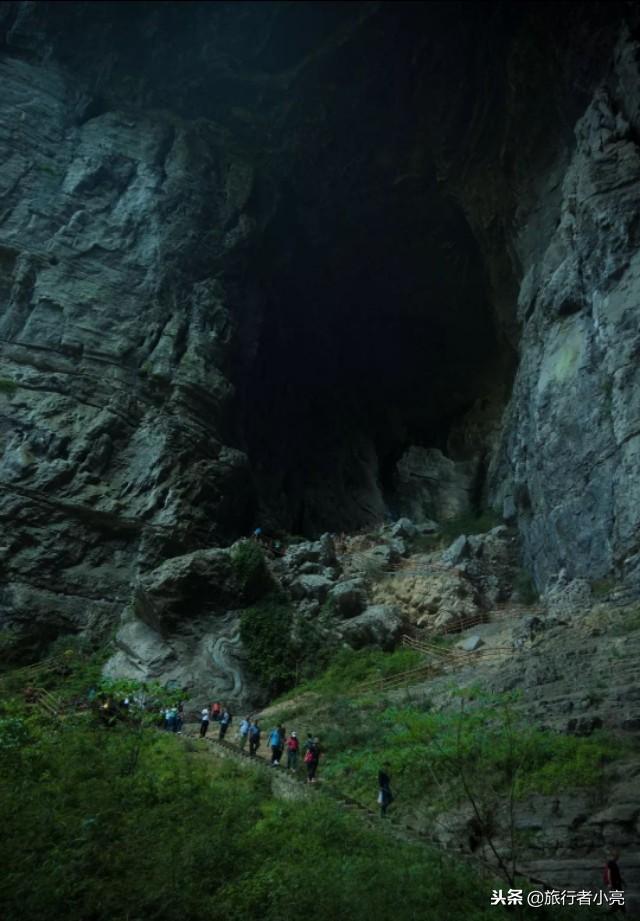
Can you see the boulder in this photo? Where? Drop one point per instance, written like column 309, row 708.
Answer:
column 186, row 586
column 298, row 554
column 327, row 550
column 470, row 643
column 430, row 485
column 568, row 597
column 432, row 599
column 405, row 528
column 311, row 586
column 457, row 551
column 379, row 625
column 349, row 597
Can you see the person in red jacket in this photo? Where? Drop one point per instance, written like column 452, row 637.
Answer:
column 293, row 747
column 614, row 882
column 215, row 712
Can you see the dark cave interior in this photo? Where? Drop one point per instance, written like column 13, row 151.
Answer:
column 374, row 320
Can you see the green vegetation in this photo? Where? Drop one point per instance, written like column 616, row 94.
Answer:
column 108, row 824
column 279, row 656
column 7, row 386
column 265, row 630
column 349, row 668
column 486, row 744
column 472, row 523
column 250, row 569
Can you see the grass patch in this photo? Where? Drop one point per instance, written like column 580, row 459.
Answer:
column 487, row 747
column 350, row 668
column 110, row 823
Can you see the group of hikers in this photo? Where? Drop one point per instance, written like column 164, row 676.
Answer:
column 215, row 713
column 250, row 732
column 172, row 718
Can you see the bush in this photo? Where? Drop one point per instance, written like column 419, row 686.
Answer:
column 250, row 569
column 265, row 631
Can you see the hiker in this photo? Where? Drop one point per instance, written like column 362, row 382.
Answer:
column 243, row 732
column 385, row 796
column 254, row 738
column 614, row 882
column 311, row 759
column 215, row 712
column 292, row 752
column 204, row 722
column 275, row 742
column 225, row 722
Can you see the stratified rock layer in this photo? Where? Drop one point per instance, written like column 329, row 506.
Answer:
column 239, row 284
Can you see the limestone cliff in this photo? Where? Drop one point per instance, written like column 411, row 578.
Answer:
column 257, row 259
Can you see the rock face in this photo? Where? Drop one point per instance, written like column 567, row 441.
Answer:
column 225, row 300
column 430, row 485
column 570, row 456
column 114, row 328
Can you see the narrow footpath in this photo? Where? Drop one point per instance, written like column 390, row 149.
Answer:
column 300, row 788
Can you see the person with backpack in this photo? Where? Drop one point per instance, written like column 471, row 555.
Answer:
column 243, row 732
column 293, row 747
column 204, row 722
column 283, row 741
column 275, row 743
column 225, row 722
column 254, row 738
column 385, row 796
column 311, row 759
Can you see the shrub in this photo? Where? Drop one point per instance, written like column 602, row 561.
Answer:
column 250, row 569
column 265, row 631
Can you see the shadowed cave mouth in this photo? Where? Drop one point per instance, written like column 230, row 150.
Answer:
column 376, row 335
